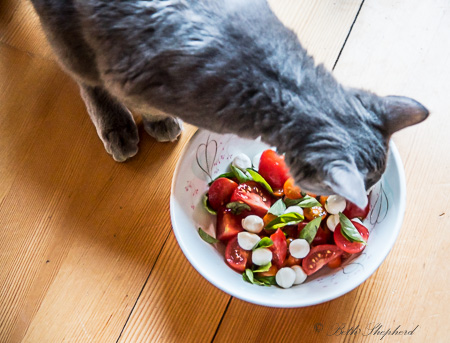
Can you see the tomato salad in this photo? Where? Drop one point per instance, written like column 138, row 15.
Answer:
column 274, row 233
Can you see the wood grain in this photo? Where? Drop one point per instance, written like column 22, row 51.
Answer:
column 20, row 28
column 86, row 248
column 394, row 48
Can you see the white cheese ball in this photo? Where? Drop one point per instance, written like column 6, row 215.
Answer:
column 253, row 223
column 285, row 277
column 294, row 209
column 247, row 240
column 333, row 221
column 335, row 204
column 299, row 248
column 300, row 275
column 242, row 161
column 255, row 160
column 261, row 256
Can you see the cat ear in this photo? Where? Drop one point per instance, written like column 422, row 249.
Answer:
column 401, row 112
column 345, row 180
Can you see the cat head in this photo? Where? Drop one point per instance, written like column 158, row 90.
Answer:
column 347, row 155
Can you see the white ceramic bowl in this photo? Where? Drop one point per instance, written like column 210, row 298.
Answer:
column 208, row 155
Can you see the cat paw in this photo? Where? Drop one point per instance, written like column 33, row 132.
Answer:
column 121, row 144
column 164, row 130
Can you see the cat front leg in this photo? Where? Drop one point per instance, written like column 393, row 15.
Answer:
column 113, row 121
column 162, row 127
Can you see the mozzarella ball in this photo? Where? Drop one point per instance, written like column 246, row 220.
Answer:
column 242, row 161
column 247, row 240
column 285, row 277
column 333, row 221
column 261, row 256
column 335, row 204
column 253, row 223
column 294, row 209
column 255, row 160
column 300, row 275
column 299, row 248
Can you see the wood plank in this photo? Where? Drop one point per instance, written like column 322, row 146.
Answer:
column 171, row 320
column 21, row 29
column 322, row 26
column 395, row 48
column 80, row 232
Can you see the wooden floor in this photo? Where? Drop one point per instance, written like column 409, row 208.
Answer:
column 87, row 253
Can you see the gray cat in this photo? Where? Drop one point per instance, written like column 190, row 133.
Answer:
column 228, row 66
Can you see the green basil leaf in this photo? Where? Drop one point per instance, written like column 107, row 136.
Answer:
column 249, row 274
column 249, row 277
column 278, row 208
column 308, row 201
column 240, row 175
column 285, row 219
column 291, row 202
column 206, row 205
column 258, row 178
column 310, row 230
column 238, row 207
column 228, row 175
column 258, row 280
column 245, row 277
column 304, row 202
column 265, row 242
column 263, row 268
column 207, row 238
column 266, row 280
column 349, row 230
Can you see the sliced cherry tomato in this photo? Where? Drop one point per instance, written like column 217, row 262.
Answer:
column 314, row 212
column 336, row 263
column 271, row 272
column 347, row 246
column 292, row 261
column 278, row 192
column 353, row 211
column 268, row 218
column 236, row 257
column 273, row 168
column 319, row 256
column 220, row 192
column 228, row 224
column 323, row 199
column 292, row 191
column 279, row 248
column 254, row 196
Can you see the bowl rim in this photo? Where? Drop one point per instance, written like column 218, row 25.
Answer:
column 303, row 303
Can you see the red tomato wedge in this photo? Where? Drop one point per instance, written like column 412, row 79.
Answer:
column 319, row 256
column 220, row 192
column 254, row 196
column 273, row 168
column 347, row 246
column 353, row 211
column 279, row 248
column 236, row 257
column 228, row 225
